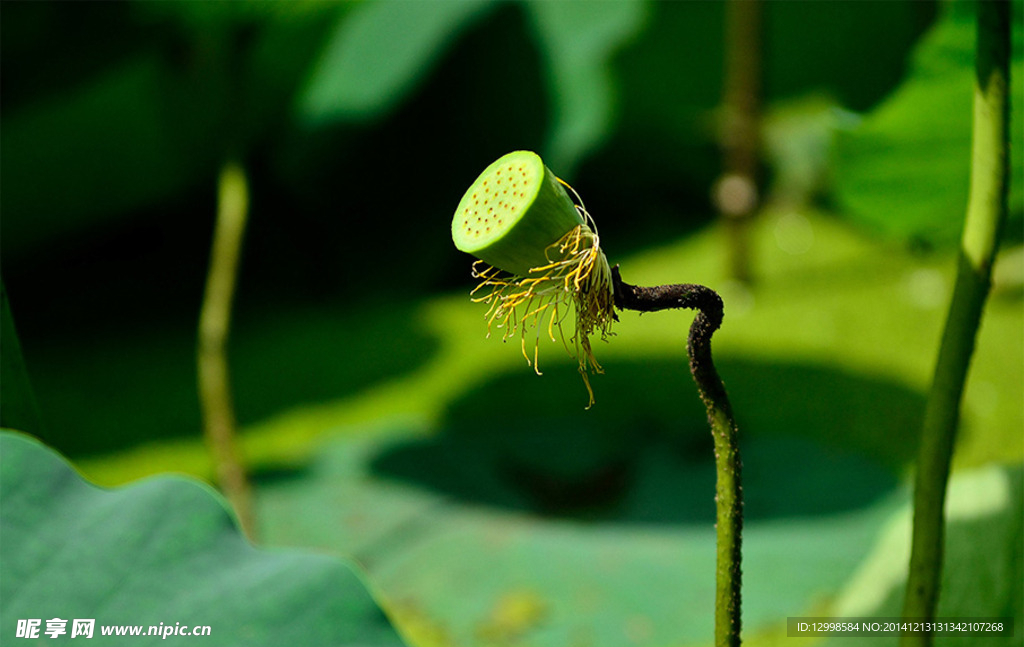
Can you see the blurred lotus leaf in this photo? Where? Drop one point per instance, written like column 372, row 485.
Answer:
column 578, row 40
column 375, row 55
column 905, row 169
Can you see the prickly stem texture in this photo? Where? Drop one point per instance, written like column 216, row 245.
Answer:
column 728, row 491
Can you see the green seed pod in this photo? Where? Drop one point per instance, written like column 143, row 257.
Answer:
column 513, row 213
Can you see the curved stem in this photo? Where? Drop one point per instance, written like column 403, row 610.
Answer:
column 729, row 491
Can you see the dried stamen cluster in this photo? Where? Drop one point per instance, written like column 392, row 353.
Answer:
column 578, row 274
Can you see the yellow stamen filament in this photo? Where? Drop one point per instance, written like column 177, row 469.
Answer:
column 577, row 273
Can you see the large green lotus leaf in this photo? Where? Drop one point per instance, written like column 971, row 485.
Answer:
column 544, row 526
column 469, row 559
column 464, row 540
column 905, row 169
column 164, row 550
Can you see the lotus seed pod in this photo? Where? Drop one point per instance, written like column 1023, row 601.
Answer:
column 513, row 213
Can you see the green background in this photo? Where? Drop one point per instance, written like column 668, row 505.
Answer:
column 485, row 506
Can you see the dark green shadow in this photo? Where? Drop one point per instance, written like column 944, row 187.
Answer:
column 815, row 441
column 114, row 392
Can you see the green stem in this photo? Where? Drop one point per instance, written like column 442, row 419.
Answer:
column 986, row 212
column 728, row 490
column 214, row 324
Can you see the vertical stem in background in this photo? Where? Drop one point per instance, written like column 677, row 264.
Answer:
column 736, row 192
column 214, row 323
column 728, row 490
column 986, row 212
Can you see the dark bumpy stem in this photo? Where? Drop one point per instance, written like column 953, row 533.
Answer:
column 729, row 494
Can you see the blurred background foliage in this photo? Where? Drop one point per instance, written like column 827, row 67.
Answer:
column 379, row 421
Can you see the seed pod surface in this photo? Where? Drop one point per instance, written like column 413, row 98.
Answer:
column 512, row 213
